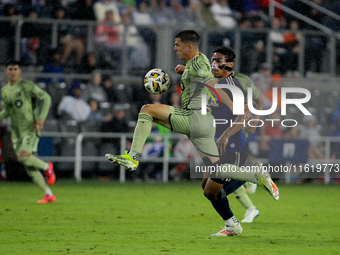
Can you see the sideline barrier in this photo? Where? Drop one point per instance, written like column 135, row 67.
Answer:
column 78, row 159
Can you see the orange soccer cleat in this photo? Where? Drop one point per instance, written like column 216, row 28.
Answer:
column 47, row 199
column 49, row 173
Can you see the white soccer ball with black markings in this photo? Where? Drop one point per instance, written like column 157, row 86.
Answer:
column 156, row 81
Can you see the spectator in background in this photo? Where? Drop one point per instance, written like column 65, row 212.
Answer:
column 67, row 42
column 264, row 6
column 7, row 33
column 45, row 8
column 139, row 53
column 315, row 44
column 54, row 66
column 36, row 39
column 193, row 14
column 247, row 41
column 82, row 10
column 162, row 14
column 72, row 105
column 108, row 40
column 266, row 71
column 101, row 7
column 89, row 63
column 257, row 52
column 30, row 42
column 206, row 14
column 108, row 88
column 277, row 38
column 309, row 129
column 292, row 39
column 142, row 17
column 261, row 81
column 223, row 15
column 116, row 123
column 95, row 114
column 94, row 89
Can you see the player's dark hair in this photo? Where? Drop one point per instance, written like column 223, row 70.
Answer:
column 189, row 36
column 12, row 62
column 227, row 52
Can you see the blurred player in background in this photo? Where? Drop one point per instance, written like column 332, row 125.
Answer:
column 19, row 102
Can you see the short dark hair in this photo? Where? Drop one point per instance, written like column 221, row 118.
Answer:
column 227, row 52
column 12, row 62
column 189, row 36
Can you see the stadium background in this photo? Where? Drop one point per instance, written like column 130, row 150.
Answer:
column 306, row 55
column 98, row 215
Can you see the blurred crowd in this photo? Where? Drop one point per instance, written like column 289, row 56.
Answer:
column 113, row 107
column 108, row 35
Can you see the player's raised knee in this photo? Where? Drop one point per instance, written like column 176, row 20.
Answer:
column 145, row 108
column 149, row 109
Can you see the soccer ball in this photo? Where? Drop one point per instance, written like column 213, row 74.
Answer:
column 156, row 81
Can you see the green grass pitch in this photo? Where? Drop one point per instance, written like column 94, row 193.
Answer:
column 97, row 217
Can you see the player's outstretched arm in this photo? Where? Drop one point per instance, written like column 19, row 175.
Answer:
column 39, row 93
column 46, row 106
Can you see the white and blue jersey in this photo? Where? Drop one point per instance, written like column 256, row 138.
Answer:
column 236, row 141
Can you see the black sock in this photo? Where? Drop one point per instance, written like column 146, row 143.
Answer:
column 222, row 207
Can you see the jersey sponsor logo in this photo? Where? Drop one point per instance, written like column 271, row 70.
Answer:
column 18, row 103
column 232, row 145
column 200, row 73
